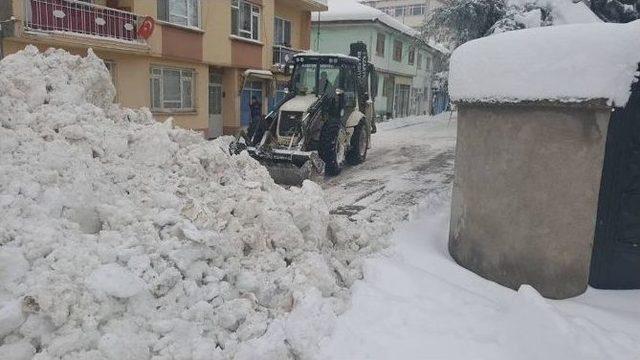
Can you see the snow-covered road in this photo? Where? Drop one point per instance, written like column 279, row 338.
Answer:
column 410, row 158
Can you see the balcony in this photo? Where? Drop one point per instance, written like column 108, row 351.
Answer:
column 282, row 55
column 316, row 5
column 75, row 17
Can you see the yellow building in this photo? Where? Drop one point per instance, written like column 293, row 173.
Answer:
column 192, row 65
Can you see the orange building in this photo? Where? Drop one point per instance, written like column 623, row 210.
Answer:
column 191, row 67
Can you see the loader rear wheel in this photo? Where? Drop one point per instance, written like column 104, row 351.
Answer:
column 332, row 148
column 359, row 144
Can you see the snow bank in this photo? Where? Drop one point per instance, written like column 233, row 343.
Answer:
column 124, row 238
column 426, row 306
column 570, row 63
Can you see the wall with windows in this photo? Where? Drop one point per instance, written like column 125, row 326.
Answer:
column 300, row 24
column 381, row 41
column 409, row 12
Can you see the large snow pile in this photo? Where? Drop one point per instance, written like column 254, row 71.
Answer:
column 123, row 238
column 569, row 63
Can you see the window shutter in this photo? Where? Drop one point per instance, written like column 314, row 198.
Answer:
column 163, row 10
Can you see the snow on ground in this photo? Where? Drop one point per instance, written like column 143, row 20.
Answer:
column 568, row 63
column 415, row 302
column 124, row 238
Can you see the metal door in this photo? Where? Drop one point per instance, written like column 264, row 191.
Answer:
column 215, row 105
column 251, row 89
column 615, row 261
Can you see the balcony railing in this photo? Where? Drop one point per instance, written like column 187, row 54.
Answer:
column 81, row 18
column 282, row 54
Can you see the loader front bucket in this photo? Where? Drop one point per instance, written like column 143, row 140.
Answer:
column 290, row 167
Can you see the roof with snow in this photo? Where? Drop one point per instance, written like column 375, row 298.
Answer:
column 568, row 63
column 351, row 10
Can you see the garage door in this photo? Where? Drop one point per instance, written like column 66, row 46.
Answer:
column 616, row 258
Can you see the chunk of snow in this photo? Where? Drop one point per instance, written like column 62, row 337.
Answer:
column 13, row 265
column 22, row 350
column 114, row 280
column 568, row 63
column 11, row 317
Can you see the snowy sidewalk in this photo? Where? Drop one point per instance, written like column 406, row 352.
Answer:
column 415, row 302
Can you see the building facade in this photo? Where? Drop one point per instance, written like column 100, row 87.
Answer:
column 191, row 66
column 403, row 61
column 412, row 13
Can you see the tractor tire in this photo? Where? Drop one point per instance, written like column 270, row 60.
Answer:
column 330, row 149
column 359, row 144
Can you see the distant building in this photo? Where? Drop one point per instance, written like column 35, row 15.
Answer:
column 403, row 61
column 409, row 12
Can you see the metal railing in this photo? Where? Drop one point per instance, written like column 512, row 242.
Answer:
column 283, row 54
column 81, row 18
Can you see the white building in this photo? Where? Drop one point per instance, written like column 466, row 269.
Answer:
column 409, row 12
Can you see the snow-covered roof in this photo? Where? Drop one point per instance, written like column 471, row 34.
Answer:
column 567, row 63
column 351, row 10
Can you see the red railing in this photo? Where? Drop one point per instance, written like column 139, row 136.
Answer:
column 81, row 18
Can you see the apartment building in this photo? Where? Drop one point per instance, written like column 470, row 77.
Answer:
column 412, row 13
column 191, row 66
column 403, row 61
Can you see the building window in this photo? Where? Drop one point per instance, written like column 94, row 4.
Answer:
column 279, row 95
column 245, row 19
column 397, row 50
column 419, row 61
column 172, row 89
column 412, row 55
column 380, row 45
column 398, row 11
column 282, row 32
column 427, row 63
column 387, row 86
column 417, row 10
column 182, row 12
